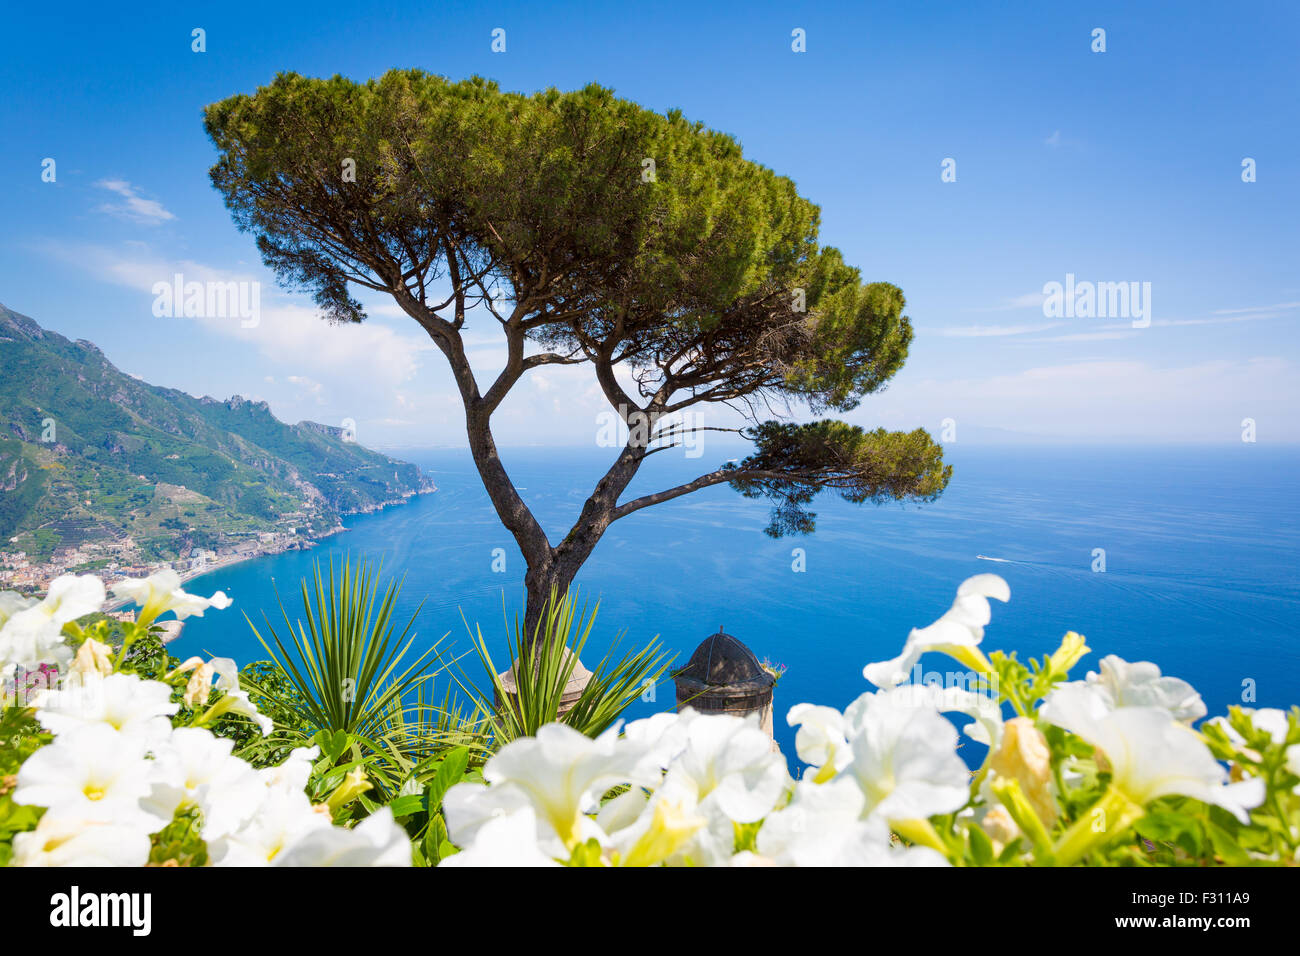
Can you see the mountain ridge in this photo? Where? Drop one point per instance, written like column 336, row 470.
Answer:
column 113, row 469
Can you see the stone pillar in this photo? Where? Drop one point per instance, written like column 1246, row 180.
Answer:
column 573, row 689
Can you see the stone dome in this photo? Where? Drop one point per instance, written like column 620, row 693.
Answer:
column 723, row 660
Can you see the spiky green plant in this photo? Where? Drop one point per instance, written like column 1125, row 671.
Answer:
column 539, row 689
column 342, row 658
column 355, row 689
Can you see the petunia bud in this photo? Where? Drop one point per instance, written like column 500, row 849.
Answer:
column 1023, row 756
column 354, row 785
column 93, row 660
column 189, row 665
column 199, row 686
column 997, row 823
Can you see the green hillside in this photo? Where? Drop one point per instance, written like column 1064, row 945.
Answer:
column 90, row 454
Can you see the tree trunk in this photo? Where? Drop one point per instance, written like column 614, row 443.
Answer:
column 551, row 570
column 540, row 583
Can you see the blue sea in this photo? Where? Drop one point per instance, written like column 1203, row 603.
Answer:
column 1200, row 547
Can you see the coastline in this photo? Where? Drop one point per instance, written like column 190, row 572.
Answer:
column 300, row 542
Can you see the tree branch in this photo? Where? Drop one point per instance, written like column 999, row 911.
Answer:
column 704, row 481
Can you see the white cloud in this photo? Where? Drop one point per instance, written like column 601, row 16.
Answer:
column 984, row 331
column 291, row 335
column 1103, row 400
column 136, row 208
column 309, row 386
column 1101, row 335
column 1030, row 300
column 1279, row 307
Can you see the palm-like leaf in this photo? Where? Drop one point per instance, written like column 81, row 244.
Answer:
column 345, row 661
column 537, row 697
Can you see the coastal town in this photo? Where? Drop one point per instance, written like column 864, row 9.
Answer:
column 122, row 558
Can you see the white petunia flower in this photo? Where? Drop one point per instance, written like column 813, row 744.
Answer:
column 294, row 772
column 823, row 826
column 726, row 774
column 161, row 592
column 508, row 839
column 124, row 702
column 820, row 740
column 1150, row 753
column 561, row 772
column 235, row 700
column 662, row 833
column 195, row 768
column 70, row 596
column 91, row 773
column 375, row 841
column 904, row 757
column 282, row 819
column 661, row 737
column 11, row 602
column 1275, row 722
column 958, row 633
column 1139, row 684
column 63, row 841
column 31, row 631
column 470, row 807
column 728, row 762
column 985, row 728
column 31, row 638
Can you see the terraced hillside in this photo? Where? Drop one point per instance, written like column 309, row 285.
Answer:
column 90, row 454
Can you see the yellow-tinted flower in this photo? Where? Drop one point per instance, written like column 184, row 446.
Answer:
column 1073, row 648
column 672, row 824
column 1023, row 756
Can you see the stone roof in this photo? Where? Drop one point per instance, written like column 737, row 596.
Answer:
column 723, row 660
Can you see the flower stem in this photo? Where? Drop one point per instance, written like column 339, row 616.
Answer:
column 1109, row 817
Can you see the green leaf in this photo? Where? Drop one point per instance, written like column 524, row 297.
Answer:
column 407, row 806
column 450, row 772
column 435, row 837
column 333, row 744
column 981, row 847
column 1225, row 846
column 1165, row 826
column 1010, row 851
column 410, row 788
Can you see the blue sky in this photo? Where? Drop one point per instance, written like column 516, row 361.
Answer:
column 1122, row 166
